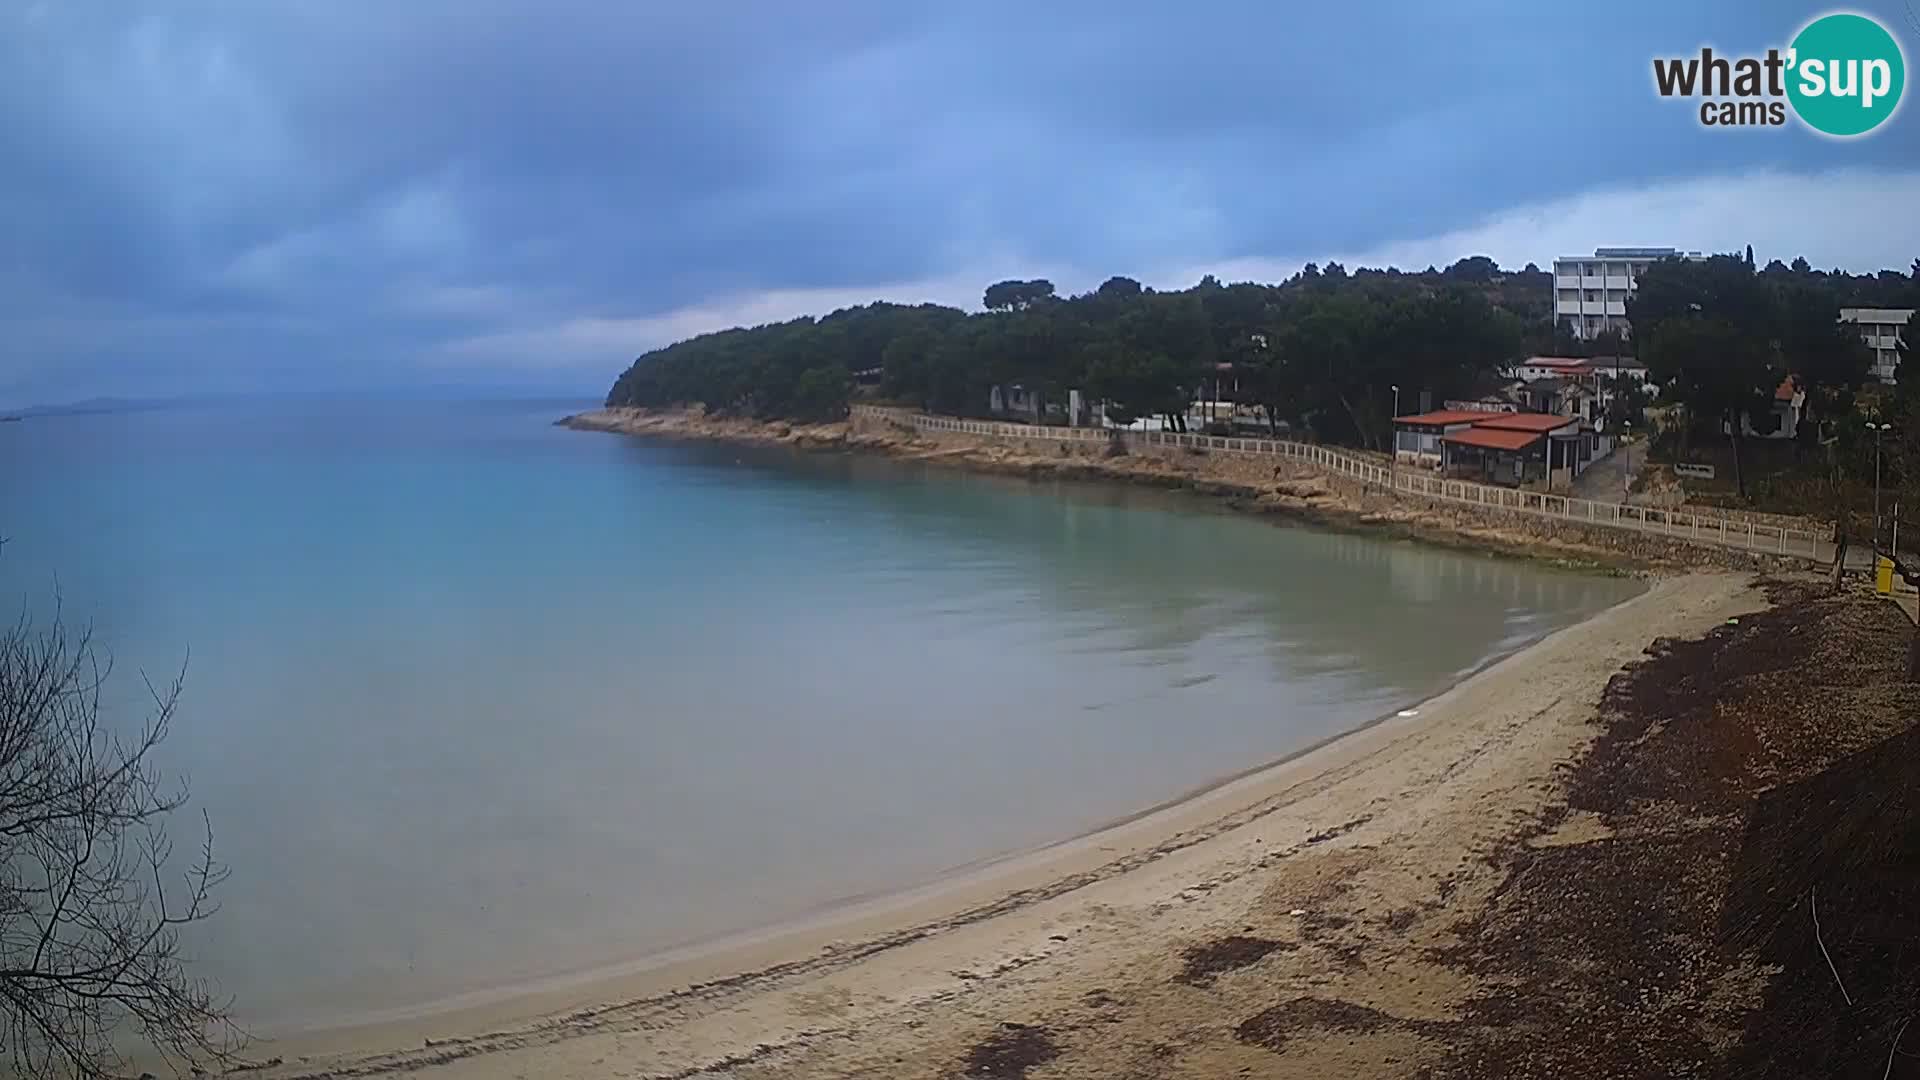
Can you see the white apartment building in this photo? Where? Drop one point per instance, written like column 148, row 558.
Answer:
column 1882, row 329
column 1590, row 291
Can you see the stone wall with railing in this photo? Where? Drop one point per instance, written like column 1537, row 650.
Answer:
column 1704, row 529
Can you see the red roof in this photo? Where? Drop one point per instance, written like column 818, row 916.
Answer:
column 1493, row 439
column 1785, row 391
column 1442, row 418
column 1519, row 421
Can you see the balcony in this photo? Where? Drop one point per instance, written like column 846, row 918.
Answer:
column 1593, row 307
column 1618, row 283
column 1567, row 281
column 1617, row 307
column 1593, row 282
column 1567, row 307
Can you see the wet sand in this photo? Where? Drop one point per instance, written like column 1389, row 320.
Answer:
column 1331, row 875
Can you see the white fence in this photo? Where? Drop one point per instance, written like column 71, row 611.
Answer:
column 1715, row 529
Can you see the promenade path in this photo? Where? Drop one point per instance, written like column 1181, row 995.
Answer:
column 1700, row 526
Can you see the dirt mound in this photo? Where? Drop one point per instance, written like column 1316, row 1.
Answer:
column 1827, row 890
column 1741, row 780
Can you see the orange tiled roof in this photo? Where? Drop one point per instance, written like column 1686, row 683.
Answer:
column 1493, row 438
column 1442, row 417
column 1534, row 422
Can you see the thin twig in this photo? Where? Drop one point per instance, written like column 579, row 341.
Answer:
column 1813, row 904
column 1895, row 1048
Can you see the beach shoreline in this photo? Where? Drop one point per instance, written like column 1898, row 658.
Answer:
column 991, row 872
column 746, row 999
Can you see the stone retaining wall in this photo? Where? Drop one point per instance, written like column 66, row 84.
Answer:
column 1350, row 493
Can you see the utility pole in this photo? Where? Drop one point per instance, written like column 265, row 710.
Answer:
column 1613, row 392
column 1393, row 459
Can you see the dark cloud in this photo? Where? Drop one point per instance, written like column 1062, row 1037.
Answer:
column 220, row 194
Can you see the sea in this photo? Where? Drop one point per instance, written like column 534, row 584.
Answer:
column 473, row 701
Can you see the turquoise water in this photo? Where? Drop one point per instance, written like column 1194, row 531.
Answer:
column 474, row 700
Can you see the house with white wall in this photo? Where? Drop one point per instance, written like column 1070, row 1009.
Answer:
column 1535, row 368
column 1416, row 438
column 1590, row 292
column 1882, row 329
column 1781, row 421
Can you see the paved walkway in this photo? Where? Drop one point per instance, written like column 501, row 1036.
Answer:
column 1606, row 480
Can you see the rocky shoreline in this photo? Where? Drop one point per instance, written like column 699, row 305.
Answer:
column 1287, row 489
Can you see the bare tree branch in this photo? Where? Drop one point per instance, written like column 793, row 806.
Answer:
column 91, row 901
column 1813, row 905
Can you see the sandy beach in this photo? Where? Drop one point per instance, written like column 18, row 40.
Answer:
column 1331, row 877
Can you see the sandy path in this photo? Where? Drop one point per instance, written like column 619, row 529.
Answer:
column 1165, row 947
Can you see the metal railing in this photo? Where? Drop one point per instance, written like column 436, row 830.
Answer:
column 1714, row 529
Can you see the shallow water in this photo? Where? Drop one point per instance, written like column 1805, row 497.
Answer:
column 474, row 700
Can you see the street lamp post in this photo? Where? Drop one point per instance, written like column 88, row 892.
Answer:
column 1878, row 430
column 1626, row 462
column 1393, row 460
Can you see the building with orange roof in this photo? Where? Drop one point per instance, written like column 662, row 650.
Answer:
column 1496, row 447
column 1781, row 420
column 1417, row 438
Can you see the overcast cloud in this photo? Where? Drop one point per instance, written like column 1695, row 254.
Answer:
column 214, row 196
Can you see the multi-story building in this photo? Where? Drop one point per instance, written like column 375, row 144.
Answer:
column 1590, row 291
column 1882, row 330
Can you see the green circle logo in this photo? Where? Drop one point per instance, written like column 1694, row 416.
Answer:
column 1845, row 74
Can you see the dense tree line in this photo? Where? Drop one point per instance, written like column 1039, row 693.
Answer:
column 1323, row 348
column 1885, row 289
column 1720, row 337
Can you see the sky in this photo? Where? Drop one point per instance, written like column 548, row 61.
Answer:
column 204, row 196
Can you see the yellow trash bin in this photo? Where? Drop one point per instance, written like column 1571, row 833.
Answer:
column 1883, row 576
